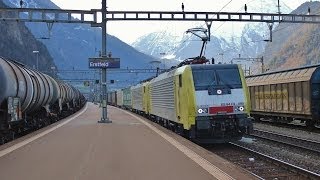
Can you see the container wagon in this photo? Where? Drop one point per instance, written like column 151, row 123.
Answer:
column 288, row 95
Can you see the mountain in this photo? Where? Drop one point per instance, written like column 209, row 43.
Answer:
column 72, row 44
column 227, row 40
column 294, row 45
column 157, row 44
column 223, row 49
column 17, row 43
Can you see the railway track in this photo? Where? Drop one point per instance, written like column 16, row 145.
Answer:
column 305, row 144
column 300, row 127
column 261, row 165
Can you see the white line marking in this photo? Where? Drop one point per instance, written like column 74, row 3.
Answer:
column 206, row 165
column 29, row 140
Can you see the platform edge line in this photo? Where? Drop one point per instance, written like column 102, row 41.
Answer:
column 205, row 164
column 33, row 138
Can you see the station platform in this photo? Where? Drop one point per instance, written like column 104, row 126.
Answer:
column 129, row 148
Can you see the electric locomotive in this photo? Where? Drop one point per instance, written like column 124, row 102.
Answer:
column 222, row 103
column 209, row 103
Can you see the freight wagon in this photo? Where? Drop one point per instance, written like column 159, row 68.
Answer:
column 127, row 104
column 30, row 99
column 119, row 95
column 287, row 95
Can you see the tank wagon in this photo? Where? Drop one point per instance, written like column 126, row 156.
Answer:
column 288, row 95
column 30, row 99
column 206, row 103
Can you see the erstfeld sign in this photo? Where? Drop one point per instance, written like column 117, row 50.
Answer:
column 104, row 62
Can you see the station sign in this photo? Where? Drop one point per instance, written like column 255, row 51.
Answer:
column 104, row 62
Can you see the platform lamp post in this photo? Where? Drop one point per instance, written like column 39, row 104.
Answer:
column 37, row 54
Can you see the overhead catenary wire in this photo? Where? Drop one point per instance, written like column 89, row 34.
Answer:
column 236, row 11
column 275, row 31
column 289, row 25
column 261, row 3
column 202, row 26
column 188, row 38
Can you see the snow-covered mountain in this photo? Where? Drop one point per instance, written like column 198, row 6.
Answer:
column 157, row 43
column 228, row 39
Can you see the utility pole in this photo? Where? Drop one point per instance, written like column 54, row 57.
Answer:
column 279, row 7
column 104, row 115
column 260, row 60
column 262, row 65
column 37, row 60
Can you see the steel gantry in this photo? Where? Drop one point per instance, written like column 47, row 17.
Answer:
column 91, row 17
column 211, row 16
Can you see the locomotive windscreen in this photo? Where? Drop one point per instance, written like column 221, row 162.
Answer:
column 224, row 76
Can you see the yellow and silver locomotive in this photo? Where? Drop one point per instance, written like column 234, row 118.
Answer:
column 222, row 103
column 209, row 103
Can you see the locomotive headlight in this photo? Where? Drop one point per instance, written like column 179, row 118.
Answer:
column 219, row 91
column 202, row 110
column 241, row 108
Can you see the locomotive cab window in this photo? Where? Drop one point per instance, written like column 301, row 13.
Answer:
column 229, row 77
column 180, row 80
column 205, row 78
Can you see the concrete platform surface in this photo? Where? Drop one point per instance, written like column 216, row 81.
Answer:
column 128, row 148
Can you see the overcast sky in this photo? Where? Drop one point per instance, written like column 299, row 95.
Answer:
column 129, row 31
